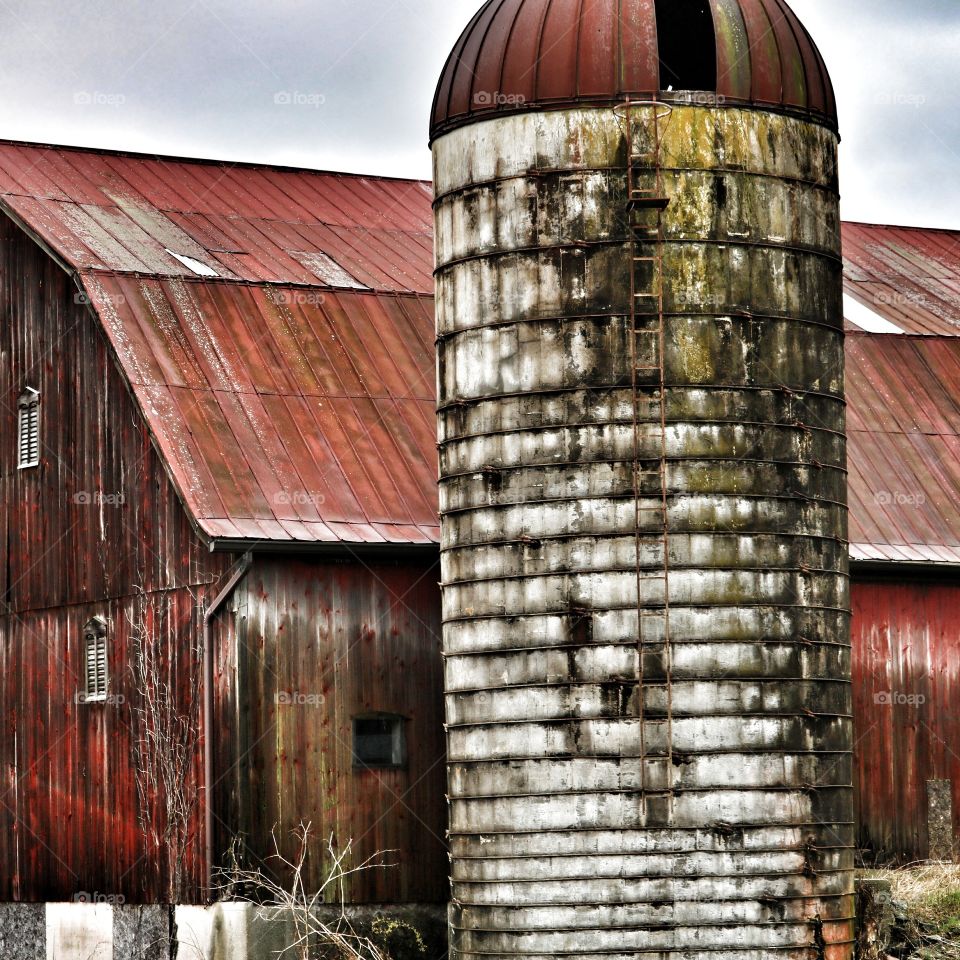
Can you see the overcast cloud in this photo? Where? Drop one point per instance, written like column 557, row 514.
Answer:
column 347, row 84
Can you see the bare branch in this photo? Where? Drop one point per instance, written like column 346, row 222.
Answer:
column 314, row 937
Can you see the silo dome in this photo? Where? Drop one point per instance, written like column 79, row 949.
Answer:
column 526, row 55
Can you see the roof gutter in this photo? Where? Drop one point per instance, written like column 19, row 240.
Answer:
column 901, row 568
column 336, row 550
column 240, row 570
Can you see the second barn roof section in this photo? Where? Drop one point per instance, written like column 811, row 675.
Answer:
column 903, row 400
column 258, row 224
column 907, row 275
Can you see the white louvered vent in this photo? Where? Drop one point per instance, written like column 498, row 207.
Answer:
column 95, row 642
column 28, row 429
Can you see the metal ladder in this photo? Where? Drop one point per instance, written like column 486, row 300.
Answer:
column 645, row 206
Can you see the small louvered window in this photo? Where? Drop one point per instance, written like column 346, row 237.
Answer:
column 28, row 429
column 95, row 654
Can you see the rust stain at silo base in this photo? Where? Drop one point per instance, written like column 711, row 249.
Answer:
column 644, row 764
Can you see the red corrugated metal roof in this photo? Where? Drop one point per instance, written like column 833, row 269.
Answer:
column 908, row 275
column 292, row 409
column 524, row 55
column 124, row 213
column 292, row 397
column 284, row 413
column 903, row 395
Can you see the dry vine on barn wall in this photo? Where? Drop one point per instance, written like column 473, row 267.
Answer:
column 167, row 680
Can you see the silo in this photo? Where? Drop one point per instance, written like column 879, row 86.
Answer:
column 643, row 488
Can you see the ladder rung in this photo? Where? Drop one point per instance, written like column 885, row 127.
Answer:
column 648, row 202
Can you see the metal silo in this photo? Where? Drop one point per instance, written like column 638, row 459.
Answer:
column 643, row 488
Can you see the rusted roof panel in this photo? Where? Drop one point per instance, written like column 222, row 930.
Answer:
column 284, row 416
column 125, row 214
column 525, row 55
column 903, row 396
column 908, row 275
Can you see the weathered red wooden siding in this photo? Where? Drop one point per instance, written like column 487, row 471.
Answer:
column 906, row 683
column 68, row 810
column 357, row 638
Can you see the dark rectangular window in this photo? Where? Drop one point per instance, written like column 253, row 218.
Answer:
column 378, row 742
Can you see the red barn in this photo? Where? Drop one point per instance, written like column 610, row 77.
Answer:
column 221, row 611
column 904, row 425
column 219, row 468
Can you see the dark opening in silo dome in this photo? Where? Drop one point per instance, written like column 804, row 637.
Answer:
column 525, row 55
column 687, row 45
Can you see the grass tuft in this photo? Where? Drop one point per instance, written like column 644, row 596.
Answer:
column 927, row 903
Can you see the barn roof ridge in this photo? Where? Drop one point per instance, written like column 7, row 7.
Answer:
column 206, row 161
column 899, row 226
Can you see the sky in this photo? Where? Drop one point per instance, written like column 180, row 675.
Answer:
column 348, row 84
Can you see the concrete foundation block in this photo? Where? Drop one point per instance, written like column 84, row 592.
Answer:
column 141, row 933
column 218, row 932
column 940, row 820
column 23, row 931
column 429, row 920
column 79, row 931
column 875, row 918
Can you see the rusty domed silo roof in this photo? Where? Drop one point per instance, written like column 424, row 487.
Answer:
column 521, row 55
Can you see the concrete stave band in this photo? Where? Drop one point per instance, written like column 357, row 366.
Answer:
column 578, row 730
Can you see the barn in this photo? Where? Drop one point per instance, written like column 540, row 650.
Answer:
column 904, row 427
column 221, row 612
